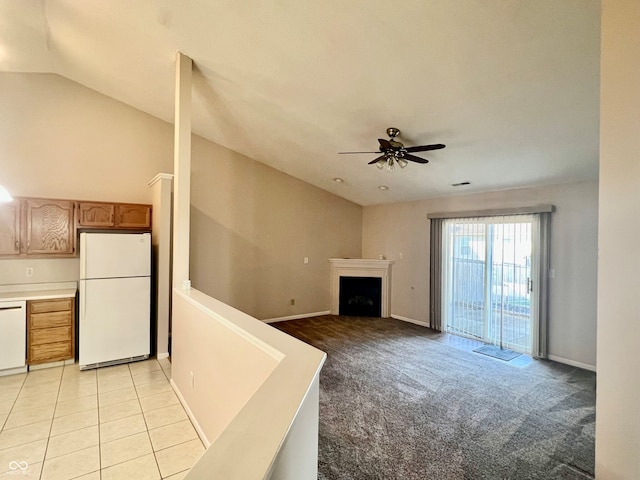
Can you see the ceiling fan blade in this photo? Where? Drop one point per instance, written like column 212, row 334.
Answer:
column 385, row 144
column 377, row 159
column 413, row 158
column 351, row 153
column 425, row 148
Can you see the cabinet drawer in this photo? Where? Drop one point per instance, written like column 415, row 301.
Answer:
column 49, row 352
column 50, row 319
column 50, row 335
column 56, row 305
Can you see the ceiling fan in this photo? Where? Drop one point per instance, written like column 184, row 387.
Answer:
column 395, row 152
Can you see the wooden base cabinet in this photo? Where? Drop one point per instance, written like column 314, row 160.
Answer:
column 50, row 330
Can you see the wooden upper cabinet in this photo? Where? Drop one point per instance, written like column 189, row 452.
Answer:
column 49, row 227
column 114, row 215
column 10, row 228
column 96, row 214
column 133, row 216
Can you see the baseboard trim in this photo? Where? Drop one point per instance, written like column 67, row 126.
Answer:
column 59, row 363
column 195, row 423
column 296, row 317
column 160, row 356
column 573, row 363
column 13, row 371
column 410, row 320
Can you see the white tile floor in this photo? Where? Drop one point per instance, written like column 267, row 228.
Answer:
column 121, row 422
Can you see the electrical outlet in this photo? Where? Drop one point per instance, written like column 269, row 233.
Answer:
column 305, row 260
column 29, row 271
column 292, row 302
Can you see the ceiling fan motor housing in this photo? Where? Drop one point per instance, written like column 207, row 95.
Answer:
column 393, row 132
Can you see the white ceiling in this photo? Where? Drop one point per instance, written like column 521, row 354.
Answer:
column 510, row 86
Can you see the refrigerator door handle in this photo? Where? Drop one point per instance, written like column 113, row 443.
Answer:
column 83, row 301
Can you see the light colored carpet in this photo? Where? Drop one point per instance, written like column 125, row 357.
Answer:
column 397, row 404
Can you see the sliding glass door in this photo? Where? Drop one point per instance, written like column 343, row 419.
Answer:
column 488, row 279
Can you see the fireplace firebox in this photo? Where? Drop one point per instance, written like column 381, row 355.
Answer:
column 361, row 296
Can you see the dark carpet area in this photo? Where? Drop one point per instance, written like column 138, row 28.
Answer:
column 396, row 403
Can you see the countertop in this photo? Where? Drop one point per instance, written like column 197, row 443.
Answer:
column 42, row 291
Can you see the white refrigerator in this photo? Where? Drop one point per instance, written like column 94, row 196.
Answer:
column 115, row 298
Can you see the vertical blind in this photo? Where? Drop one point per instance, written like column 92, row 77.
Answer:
column 491, row 296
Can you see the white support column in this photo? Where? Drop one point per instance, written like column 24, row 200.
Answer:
column 618, row 386
column 182, row 171
column 161, row 241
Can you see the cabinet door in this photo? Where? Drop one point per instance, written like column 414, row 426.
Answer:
column 10, row 228
column 133, row 216
column 49, row 227
column 96, row 214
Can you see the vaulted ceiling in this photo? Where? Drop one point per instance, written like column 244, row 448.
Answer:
column 510, row 86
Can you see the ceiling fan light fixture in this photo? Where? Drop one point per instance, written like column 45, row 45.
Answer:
column 5, row 196
column 402, row 162
column 381, row 163
column 390, row 165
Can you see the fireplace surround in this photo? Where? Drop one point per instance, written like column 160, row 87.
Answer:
column 360, row 267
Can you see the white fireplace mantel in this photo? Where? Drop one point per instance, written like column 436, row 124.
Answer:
column 360, row 267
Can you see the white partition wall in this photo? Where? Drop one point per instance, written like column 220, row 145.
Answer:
column 251, row 390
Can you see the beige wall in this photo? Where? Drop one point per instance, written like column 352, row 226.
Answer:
column 251, row 227
column 404, row 228
column 618, row 394
column 59, row 139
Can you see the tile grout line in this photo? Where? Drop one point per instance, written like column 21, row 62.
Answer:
column 13, row 404
column 46, row 448
column 11, row 411
column 100, row 423
column 99, row 429
column 155, row 459
column 62, row 380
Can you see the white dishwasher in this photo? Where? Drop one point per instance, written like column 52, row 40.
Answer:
column 13, row 334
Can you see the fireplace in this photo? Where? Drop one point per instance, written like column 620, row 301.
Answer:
column 360, row 296
column 362, row 271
